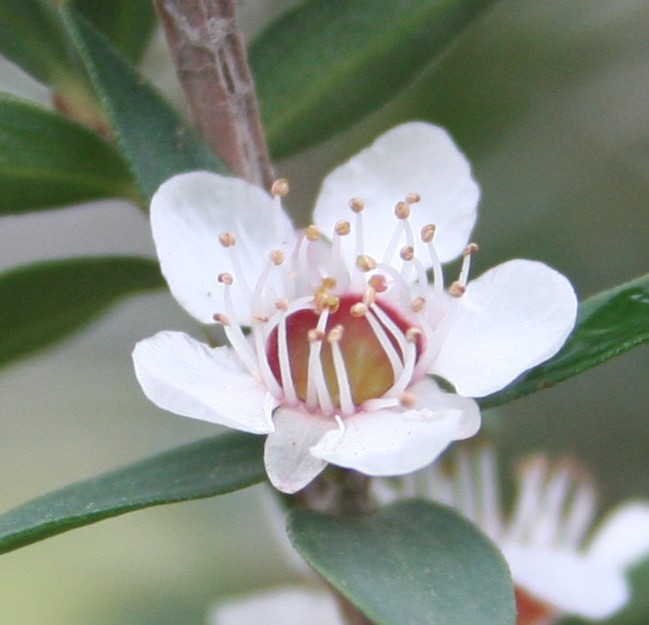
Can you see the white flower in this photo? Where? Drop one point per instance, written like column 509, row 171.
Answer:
column 289, row 605
column 556, row 570
column 345, row 326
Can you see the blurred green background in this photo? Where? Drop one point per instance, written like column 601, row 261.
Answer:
column 550, row 102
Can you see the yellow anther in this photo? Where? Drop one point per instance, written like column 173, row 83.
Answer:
column 332, row 302
column 457, row 289
column 329, row 283
column 227, row 239
column 279, row 188
column 312, row 233
column 356, row 204
column 407, row 400
column 342, row 227
column 413, row 198
column 225, row 278
column 407, row 252
column 365, row 262
column 358, row 310
column 402, row 210
column 277, row 256
column 335, row 334
column 428, row 232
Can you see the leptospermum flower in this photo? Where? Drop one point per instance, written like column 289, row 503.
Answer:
column 348, row 318
column 556, row 570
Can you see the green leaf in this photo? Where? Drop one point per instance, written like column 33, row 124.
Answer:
column 43, row 303
column 608, row 324
column 210, row 467
column 414, row 563
column 155, row 140
column 48, row 161
column 33, row 37
column 325, row 65
column 129, row 24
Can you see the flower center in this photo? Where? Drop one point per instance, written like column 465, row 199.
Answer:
column 350, row 351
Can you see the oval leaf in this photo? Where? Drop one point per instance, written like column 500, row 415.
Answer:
column 43, row 303
column 324, row 65
column 155, row 140
column 210, row 467
column 609, row 324
column 414, row 563
column 48, row 161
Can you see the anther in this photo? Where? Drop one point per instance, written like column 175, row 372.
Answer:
column 356, row 204
column 413, row 334
column 225, row 278
column 335, row 334
column 428, row 232
column 315, row 335
column 418, row 304
column 342, row 227
column 413, row 198
column 407, row 400
column 332, row 302
column 457, row 289
column 227, row 239
column 312, row 233
column 378, row 282
column 259, row 318
column 365, row 263
column 329, row 283
column 471, row 249
column 358, row 310
column 407, row 252
column 221, row 318
column 282, row 304
column 276, row 256
column 279, row 188
column 402, row 210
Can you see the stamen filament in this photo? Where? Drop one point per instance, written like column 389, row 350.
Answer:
column 317, row 391
column 344, row 388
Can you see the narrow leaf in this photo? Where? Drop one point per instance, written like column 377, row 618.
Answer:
column 325, row 65
column 48, row 161
column 608, row 324
column 155, row 140
column 43, row 303
column 210, row 467
column 129, row 24
column 414, row 563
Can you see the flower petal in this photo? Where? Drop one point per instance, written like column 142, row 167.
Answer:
column 573, row 583
column 283, row 606
column 189, row 378
column 510, row 319
column 289, row 463
column 394, row 442
column 623, row 537
column 188, row 212
column 412, row 158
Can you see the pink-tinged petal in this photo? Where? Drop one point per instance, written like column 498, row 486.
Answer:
column 623, row 537
column 512, row 318
column 188, row 213
column 412, row 158
column 284, row 606
column 398, row 441
column 573, row 583
column 189, row 378
column 289, row 463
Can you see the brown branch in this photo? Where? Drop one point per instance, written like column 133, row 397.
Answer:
column 212, row 66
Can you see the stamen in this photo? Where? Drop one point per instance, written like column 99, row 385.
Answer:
column 227, row 239
column 469, row 251
column 316, row 390
column 225, row 278
column 402, row 210
column 413, row 198
column 457, row 289
column 407, row 253
column 344, row 388
column 418, row 304
column 283, row 354
column 276, row 257
column 427, row 236
column 369, row 296
column 378, row 282
column 280, row 188
column 260, row 347
column 312, row 233
column 342, row 227
column 409, row 361
column 407, row 400
column 384, row 341
column 358, row 206
column 365, row 263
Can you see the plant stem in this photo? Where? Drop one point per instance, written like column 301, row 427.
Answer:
column 212, row 66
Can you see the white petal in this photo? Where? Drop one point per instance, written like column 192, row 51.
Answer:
column 398, row 441
column 412, row 158
column 189, row 378
column 289, row 463
column 573, row 583
column 623, row 537
column 512, row 318
column 188, row 212
column 293, row 605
